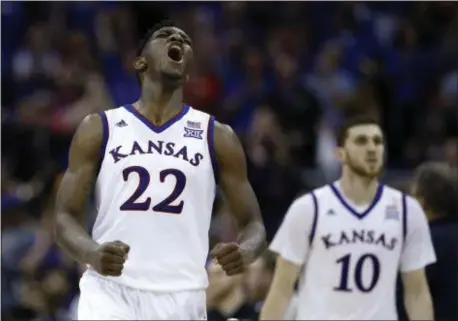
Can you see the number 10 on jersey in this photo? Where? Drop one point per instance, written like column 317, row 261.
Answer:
column 351, row 278
column 144, row 178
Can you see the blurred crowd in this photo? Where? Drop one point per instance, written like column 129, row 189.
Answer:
column 278, row 73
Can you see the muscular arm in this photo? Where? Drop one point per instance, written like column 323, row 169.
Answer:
column 74, row 189
column 238, row 192
column 417, row 298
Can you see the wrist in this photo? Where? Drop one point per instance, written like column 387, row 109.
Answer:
column 89, row 254
column 250, row 252
column 247, row 252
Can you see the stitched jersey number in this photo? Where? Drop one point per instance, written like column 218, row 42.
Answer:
column 143, row 181
column 345, row 261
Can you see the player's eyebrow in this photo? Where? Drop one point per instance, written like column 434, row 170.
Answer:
column 376, row 137
column 169, row 30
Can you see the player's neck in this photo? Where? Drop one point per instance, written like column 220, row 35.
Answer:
column 158, row 103
column 360, row 190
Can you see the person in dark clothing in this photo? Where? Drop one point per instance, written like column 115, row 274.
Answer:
column 226, row 297
column 436, row 188
column 257, row 280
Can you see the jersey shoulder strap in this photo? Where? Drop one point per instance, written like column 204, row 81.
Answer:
column 404, row 215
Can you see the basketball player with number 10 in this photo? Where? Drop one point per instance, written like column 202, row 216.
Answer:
column 155, row 165
column 349, row 239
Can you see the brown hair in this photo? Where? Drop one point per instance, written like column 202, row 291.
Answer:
column 354, row 116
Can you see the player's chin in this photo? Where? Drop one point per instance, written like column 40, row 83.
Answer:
column 173, row 75
column 373, row 171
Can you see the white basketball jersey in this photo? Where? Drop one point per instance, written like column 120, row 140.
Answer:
column 351, row 257
column 155, row 192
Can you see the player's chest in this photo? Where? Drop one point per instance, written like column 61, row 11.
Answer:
column 378, row 230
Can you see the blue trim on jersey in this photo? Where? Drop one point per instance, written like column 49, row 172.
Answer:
column 404, row 215
column 150, row 125
column 315, row 218
column 377, row 197
column 105, row 135
column 211, row 146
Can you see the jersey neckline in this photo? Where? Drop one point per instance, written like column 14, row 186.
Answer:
column 351, row 209
column 150, row 125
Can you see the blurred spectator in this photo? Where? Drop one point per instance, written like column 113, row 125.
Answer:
column 451, row 152
column 268, row 155
column 436, row 188
column 333, row 87
column 226, row 297
column 449, row 90
column 257, row 280
column 296, row 109
column 36, row 62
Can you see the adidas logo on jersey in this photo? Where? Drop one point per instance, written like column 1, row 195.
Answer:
column 330, row 212
column 121, row 123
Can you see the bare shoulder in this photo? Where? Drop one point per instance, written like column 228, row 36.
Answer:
column 227, row 143
column 89, row 129
column 224, row 132
column 87, row 138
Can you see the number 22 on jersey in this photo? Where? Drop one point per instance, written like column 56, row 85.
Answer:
column 165, row 206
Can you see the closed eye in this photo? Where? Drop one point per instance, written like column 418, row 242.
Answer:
column 161, row 35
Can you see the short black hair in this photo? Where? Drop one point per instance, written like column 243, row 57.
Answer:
column 354, row 116
column 436, row 184
column 146, row 38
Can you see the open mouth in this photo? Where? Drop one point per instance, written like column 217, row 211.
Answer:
column 175, row 53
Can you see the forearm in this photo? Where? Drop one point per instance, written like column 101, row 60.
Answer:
column 252, row 240
column 276, row 304
column 73, row 239
column 419, row 305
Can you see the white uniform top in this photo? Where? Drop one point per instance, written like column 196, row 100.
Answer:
column 155, row 192
column 350, row 258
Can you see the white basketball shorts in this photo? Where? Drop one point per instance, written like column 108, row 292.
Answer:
column 103, row 299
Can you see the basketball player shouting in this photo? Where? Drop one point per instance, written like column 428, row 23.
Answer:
column 155, row 165
column 349, row 239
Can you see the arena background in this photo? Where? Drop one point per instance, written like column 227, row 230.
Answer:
column 278, row 73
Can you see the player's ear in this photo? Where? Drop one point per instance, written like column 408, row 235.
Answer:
column 187, row 77
column 339, row 154
column 140, row 64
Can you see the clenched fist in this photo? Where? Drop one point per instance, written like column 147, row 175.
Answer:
column 108, row 258
column 230, row 257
